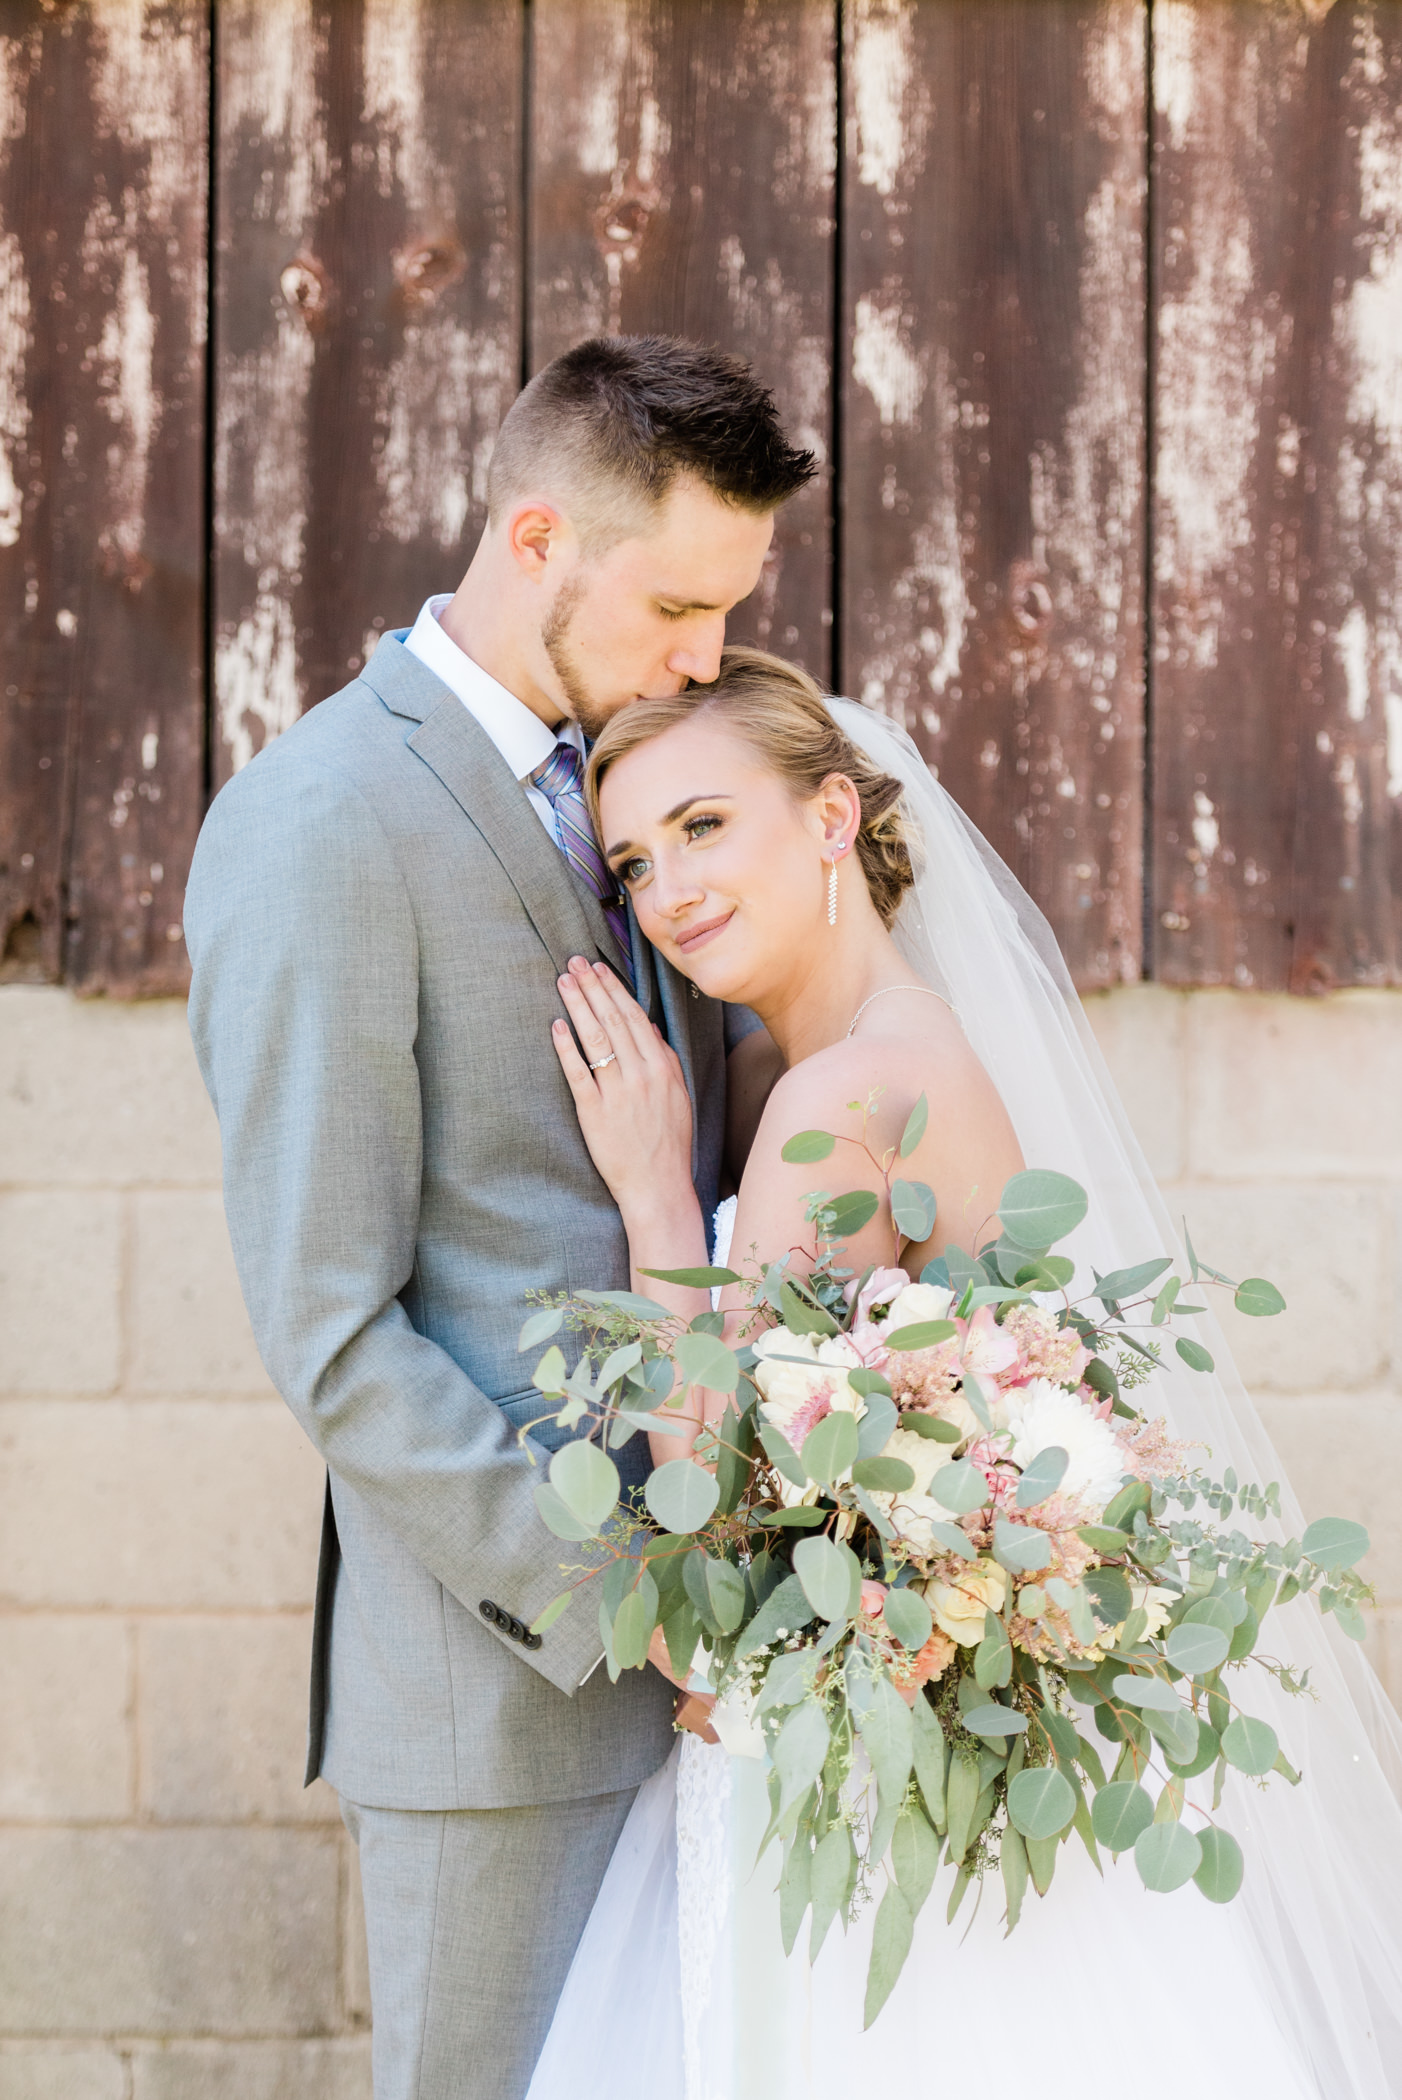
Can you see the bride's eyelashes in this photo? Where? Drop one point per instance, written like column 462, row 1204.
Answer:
column 632, row 870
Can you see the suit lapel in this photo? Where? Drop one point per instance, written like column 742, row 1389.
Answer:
column 674, row 997
column 453, row 745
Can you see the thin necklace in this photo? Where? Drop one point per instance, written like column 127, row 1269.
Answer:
column 896, row 988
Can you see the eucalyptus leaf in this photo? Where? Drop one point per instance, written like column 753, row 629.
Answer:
column 1038, row 1207
column 831, row 1872
column 540, row 1326
column 1021, row 1547
column 870, row 1384
column 662, row 1422
column 784, row 1611
column 630, row 1302
column 1206, row 1753
column 831, row 1576
column 1251, row 1745
column 830, row 1447
column 1122, row 1508
column 1119, row 1812
column 1049, row 1272
column 1197, row 1359
column 725, row 1587
column 801, row 1749
column 695, row 1279
column 799, row 1517
column 913, row 1209
column 1334, row 1542
column 1151, row 1692
column 782, row 1455
column 847, row 1214
column 876, row 1425
column 1167, row 1855
column 915, row 1856
column 633, row 1623
column 1222, row 1868
column 1042, row 1476
column 914, row 1127
column 960, row 1487
column 909, row 1618
column 1259, row 1298
column 994, row 1721
column 681, row 1496
column 921, row 1334
column 1196, row 1649
column 1041, row 1802
column 549, row 1374
column 1102, row 1538
column 808, row 1147
column 887, row 1731
column 954, row 1540
column 1111, row 1598
column 801, row 1313
column 1211, row 1611
column 1012, row 1863
column 931, row 1755
column 586, row 1481
column 555, row 1609
column 703, row 1359
column 932, row 1426
column 890, row 1944
column 888, row 1476
column 1112, row 1290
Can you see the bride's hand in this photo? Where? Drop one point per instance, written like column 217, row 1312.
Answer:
column 628, row 1088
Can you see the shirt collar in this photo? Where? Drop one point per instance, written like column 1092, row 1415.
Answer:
column 521, row 737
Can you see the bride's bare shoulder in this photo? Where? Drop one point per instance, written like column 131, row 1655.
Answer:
column 887, row 1074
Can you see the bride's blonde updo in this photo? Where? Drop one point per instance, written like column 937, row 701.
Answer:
column 780, row 712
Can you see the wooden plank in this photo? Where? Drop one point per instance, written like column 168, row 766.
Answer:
column 1277, row 697
column 368, row 329
column 103, row 152
column 683, row 156
column 993, row 389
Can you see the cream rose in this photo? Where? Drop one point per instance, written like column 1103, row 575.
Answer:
column 959, row 1608
column 916, row 1303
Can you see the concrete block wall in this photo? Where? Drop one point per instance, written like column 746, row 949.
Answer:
column 178, row 1918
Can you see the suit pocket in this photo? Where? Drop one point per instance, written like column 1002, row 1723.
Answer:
column 526, row 1408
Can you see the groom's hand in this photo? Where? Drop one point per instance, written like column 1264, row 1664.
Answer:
column 693, row 1708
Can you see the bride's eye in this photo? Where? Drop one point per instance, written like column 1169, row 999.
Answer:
column 700, row 827
column 630, row 870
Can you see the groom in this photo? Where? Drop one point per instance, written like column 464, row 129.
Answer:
column 378, row 912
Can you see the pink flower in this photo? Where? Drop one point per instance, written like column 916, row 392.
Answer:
column 986, row 1349
column 879, row 1289
column 873, row 1599
column 867, row 1342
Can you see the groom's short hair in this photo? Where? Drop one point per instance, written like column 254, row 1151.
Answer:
column 614, row 422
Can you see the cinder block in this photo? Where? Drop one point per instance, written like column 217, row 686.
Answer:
column 190, row 1333
column 100, row 1091
column 65, row 1729
column 30, row 2071
column 1325, row 1246
column 223, row 1721
column 60, row 1280
column 1385, row 1650
column 166, row 1932
column 1140, row 1029
column 335, row 2070
column 1319, row 1437
column 1295, row 1087
column 185, row 1505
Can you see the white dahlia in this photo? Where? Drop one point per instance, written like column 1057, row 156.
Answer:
column 1042, row 1414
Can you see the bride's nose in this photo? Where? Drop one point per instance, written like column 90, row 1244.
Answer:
column 674, row 891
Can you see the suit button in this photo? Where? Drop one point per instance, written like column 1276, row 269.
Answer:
column 490, row 1612
column 532, row 1641
column 516, row 1629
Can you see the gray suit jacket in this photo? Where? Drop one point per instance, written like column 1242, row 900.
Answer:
column 376, row 919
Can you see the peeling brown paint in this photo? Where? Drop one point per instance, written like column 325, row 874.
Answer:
column 993, row 428
column 369, row 293
column 683, row 163
column 1278, row 523
column 103, row 111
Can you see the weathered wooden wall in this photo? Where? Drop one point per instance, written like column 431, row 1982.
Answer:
column 1278, row 494
column 103, row 162
column 1066, row 296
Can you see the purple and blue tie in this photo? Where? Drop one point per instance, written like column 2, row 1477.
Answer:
column 560, row 778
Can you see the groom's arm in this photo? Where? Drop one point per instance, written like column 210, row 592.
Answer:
column 304, row 1011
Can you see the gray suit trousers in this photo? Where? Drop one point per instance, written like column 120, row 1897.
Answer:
column 473, row 1916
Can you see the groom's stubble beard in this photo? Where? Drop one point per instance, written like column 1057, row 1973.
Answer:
column 554, row 636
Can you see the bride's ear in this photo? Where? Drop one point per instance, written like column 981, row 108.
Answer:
column 837, row 814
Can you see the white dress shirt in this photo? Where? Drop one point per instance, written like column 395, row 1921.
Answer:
column 521, row 737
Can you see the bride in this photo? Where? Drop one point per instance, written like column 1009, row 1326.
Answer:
column 791, row 854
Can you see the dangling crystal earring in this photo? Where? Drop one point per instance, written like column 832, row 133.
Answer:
column 832, row 886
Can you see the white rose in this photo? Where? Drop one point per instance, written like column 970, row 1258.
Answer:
column 1042, row 1414
column 959, row 1607
column 922, row 1454
column 917, row 1303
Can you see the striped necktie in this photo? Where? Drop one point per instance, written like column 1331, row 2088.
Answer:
column 560, row 779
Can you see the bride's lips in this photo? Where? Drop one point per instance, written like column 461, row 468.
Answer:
column 697, row 936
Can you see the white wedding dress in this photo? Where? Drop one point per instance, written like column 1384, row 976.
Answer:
column 680, row 1989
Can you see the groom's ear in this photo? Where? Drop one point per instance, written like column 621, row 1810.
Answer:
column 536, row 535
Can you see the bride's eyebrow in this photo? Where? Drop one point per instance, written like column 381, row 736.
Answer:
column 680, row 810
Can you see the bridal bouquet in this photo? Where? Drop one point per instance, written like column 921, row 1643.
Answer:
column 972, row 1598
